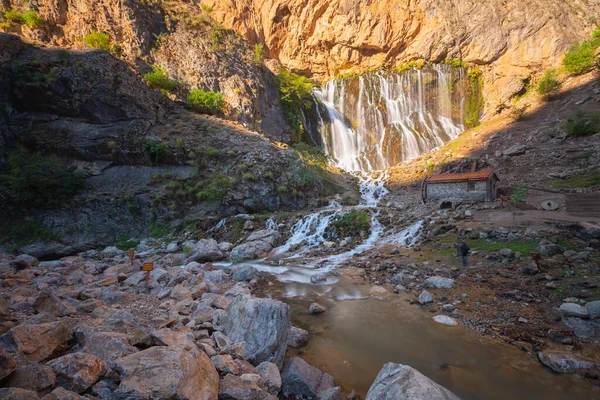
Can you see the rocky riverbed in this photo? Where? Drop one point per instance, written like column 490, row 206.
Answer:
column 92, row 326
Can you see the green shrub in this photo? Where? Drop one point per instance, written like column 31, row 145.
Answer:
column 98, row 40
column 158, row 79
column 259, row 54
column 248, row 177
column 20, row 233
column 295, row 93
column 352, row 223
column 582, row 124
column 14, row 16
column 40, row 181
column 282, row 190
column 518, row 113
column 580, row 57
column 33, row 19
column 157, row 150
column 218, row 35
column 520, row 195
column 212, row 152
column 205, row 101
column 549, row 85
column 159, row 229
column 123, row 243
column 218, row 188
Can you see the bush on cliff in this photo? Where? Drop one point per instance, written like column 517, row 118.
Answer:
column 205, row 101
column 40, row 181
column 549, row 85
column 158, row 79
column 295, row 93
column 580, row 57
column 582, row 124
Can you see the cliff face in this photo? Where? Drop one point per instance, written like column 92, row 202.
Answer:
column 512, row 38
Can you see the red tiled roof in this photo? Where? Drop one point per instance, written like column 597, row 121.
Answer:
column 466, row 176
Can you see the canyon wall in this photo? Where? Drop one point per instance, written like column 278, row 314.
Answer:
column 509, row 39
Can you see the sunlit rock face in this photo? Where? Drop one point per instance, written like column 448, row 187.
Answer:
column 323, row 38
column 379, row 119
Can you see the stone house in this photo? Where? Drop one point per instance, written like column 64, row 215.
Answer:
column 478, row 185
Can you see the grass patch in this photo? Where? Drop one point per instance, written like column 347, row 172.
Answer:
column 30, row 18
column 582, row 124
column 98, row 40
column 159, row 229
column 579, row 181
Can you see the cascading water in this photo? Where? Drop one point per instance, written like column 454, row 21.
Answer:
column 379, row 119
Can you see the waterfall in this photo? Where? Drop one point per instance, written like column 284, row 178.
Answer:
column 377, row 120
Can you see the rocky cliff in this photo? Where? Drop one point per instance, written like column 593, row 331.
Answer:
column 510, row 39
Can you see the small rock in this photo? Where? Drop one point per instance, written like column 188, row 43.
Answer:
column 445, row 320
column 297, row 337
column 425, row 297
column 439, row 282
column 573, row 310
column 316, row 308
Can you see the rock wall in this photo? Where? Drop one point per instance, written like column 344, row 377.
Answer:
column 322, row 38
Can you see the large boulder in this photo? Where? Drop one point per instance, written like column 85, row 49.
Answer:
column 573, row 310
column 47, row 302
column 235, row 388
column 302, row 380
column 35, row 377
column 250, row 250
column 401, row 382
column 17, row 394
column 167, row 372
column 269, row 236
column 36, row 342
column 7, row 364
column 270, row 376
column 63, row 394
column 264, row 326
column 106, row 345
column 205, row 250
column 566, row 362
column 593, row 308
column 77, row 372
column 438, row 282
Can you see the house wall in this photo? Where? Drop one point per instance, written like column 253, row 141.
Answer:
column 457, row 191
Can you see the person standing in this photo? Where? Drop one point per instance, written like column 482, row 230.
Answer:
column 463, row 250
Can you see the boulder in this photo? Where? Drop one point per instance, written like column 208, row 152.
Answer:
column 566, row 362
column 425, row 297
column 378, row 292
column 7, row 364
column 264, row 326
column 250, row 251
column 593, row 308
column 438, row 282
column 30, row 260
column 107, row 346
column 507, row 253
column 269, row 236
column 217, row 275
column 167, row 337
column 297, row 337
column 235, row 388
column 270, row 375
column 302, row 380
column 167, row 372
column 245, row 273
column 316, row 308
column 35, row 377
column 78, row 371
column 17, row 394
column 47, row 302
column 582, row 329
column 334, row 393
column 549, row 249
column 319, row 277
column 401, row 382
column 205, row 250
column 36, row 342
column 62, row 394
column 225, row 246
column 515, row 150
column 573, row 310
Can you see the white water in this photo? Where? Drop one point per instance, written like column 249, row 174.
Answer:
column 379, row 119
column 407, row 237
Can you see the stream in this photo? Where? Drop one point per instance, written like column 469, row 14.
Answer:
column 357, row 335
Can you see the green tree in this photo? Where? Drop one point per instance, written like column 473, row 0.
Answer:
column 205, row 101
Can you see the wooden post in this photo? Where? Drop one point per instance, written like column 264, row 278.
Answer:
column 148, row 267
column 131, row 254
